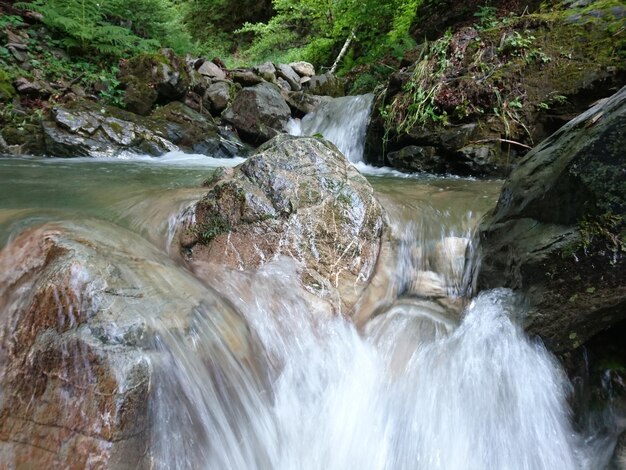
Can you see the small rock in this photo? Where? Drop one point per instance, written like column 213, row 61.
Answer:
column 209, row 69
column 283, row 84
column 417, row 159
column 327, row 84
column 304, row 69
column 304, row 103
column 286, row 72
column 31, row 88
column 267, row 71
column 258, row 112
column 246, row 78
column 218, row 96
column 19, row 54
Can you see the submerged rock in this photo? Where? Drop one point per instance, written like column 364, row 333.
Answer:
column 558, row 232
column 82, row 306
column 297, row 197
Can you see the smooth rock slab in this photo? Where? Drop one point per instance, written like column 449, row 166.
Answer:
column 81, row 307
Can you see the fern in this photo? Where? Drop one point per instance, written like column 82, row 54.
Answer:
column 105, row 27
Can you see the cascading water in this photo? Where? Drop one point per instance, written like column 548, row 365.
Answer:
column 343, row 121
column 433, row 381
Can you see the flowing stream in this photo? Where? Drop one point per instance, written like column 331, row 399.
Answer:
column 426, row 384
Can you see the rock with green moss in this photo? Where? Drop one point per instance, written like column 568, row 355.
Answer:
column 326, row 84
column 160, row 77
column 7, row 91
column 296, row 197
column 516, row 79
column 558, row 233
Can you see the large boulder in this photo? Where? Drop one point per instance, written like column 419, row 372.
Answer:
column 523, row 90
column 81, row 309
column 558, row 233
column 88, row 129
column 258, row 113
column 153, row 78
column 298, row 197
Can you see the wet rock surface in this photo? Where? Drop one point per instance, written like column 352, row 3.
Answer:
column 89, row 129
column 297, row 197
column 81, row 307
column 558, row 231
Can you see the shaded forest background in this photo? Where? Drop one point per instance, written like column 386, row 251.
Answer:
column 248, row 31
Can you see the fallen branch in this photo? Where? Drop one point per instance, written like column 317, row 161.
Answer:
column 502, row 140
column 343, row 51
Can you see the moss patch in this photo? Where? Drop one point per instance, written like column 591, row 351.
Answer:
column 7, row 91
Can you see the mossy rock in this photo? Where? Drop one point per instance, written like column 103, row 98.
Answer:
column 139, row 97
column 163, row 72
column 7, row 91
column 28, row 137
column 557, row 231
column 520, row 80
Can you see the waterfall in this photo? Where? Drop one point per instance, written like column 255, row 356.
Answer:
column 247, row 375
column 343, row 121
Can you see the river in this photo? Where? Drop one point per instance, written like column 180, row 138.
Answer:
column 451, row 383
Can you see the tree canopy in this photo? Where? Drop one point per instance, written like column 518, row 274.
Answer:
column 243, row 31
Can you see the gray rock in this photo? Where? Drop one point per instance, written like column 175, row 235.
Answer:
column 304, row 69
column 479, row 160
column 258, row 112
column 267, row 71
column 4, row 147
column 327, row 84
column 558, row 231
column 218, row 96
column 283, row 84
column 287, row 73
column 18, row 53
column 209, row 69
column 417, row 159
column 304, row 103
column 32, row 87
column 87, row 129
column 164, row 74
column 298, row 197
column 246, row 77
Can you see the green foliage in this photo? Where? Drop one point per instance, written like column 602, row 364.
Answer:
column 112, row 27
column 10, row 20
column 315, row 30
column 416, row 106
column 213, row 22
column 486, row 17
column 211, row 228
